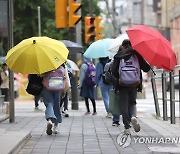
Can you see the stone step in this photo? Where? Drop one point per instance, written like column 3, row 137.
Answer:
column 12, row 141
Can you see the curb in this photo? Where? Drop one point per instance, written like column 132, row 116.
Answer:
column 16, row 141
column 4, row 117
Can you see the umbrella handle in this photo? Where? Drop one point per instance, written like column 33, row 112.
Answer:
column 152, row 70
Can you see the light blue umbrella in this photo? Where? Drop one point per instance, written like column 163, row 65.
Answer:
column 99, row 49
column 3, row 60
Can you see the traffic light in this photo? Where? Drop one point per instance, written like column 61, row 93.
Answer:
column 61, row 13
column 98, row 28
column 89, row 30
column 73, row 8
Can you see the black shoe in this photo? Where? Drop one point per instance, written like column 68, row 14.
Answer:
column 49, row 127
column 66, row 113
column 115, row 123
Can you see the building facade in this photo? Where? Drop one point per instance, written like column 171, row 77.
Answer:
column 174, row 23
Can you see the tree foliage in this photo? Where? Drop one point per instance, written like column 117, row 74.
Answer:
column 26, row 19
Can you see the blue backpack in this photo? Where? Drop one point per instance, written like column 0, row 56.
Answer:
column 129, row 72
column 90, row 75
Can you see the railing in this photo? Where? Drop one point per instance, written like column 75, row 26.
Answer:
column 166, row 98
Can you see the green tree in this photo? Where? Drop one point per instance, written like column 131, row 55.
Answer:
column 26, row 19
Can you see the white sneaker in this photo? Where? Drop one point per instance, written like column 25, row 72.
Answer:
column 66, row 113
column 135, row 124
column 109, row 115
column 49, row 127
column 55, row 129
column 127, row 131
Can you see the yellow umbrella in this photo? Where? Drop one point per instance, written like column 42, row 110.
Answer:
column 36, row 55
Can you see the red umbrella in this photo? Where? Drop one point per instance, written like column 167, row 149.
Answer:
column 152, row 46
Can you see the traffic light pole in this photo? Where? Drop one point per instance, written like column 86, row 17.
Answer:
column 90, row 7
column 73, row 57
column 11, row 74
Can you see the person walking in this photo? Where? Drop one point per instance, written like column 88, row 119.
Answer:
column 105, row 88
column 87, row 90
column 36, row 102
column 132, row 108
column 64, row 96
column 5, row 82
column 64, row 104
column 37, row 96
column 52, row 96
column 128, row 94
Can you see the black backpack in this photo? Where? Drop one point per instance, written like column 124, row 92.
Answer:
column 35, row 85
column 115, row 68
column 107, row 76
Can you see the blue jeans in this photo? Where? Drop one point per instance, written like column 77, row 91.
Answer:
column 105, row 95
column 51, row 100
column 116, row 118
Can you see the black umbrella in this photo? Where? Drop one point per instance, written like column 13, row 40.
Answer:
column 73, row 46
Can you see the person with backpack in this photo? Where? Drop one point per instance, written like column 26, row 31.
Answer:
column 34, row 88
column 129, row 64
column 54, row 83
column 105, row 88
column 64, row 97
column 87, row 84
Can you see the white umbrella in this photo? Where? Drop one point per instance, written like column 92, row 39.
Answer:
column 72, row 65
column 116, row 43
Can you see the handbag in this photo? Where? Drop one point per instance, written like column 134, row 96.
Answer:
column 68, row 83
column 114, row 102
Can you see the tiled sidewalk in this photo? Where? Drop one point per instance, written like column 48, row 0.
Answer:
column 80, row 134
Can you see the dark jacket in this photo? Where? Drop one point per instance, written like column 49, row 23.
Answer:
column 125, row 54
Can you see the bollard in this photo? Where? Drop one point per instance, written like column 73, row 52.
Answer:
column 172, row 98
column 164, row 96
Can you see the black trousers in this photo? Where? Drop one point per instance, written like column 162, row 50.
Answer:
column 5, row 92
column 127, row 100
column 87, row 104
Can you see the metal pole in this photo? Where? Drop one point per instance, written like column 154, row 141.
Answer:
column 11, row 74
column 179, row 96
column 91, row 7
column 142, row 12
column 73, row 57
column 155, row 96
column 39, row 20
column 172, row 98
column 113, row 16
column 164, row 96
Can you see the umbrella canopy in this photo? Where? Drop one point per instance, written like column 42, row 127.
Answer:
column 152, row 46
column 72, row 46
column 117, row 42
column 99, row 49
column 36, row 55
column 72, row 65
column 3, row 60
